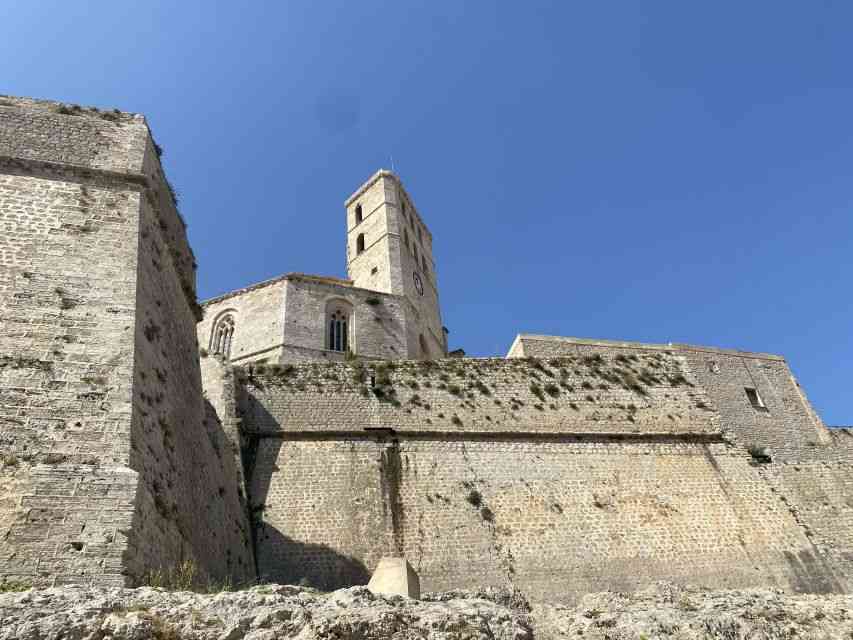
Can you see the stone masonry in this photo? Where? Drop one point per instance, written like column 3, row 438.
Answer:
column 110, row 464
column 609, row 468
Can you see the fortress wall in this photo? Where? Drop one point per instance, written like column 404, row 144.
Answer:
column 36, row 130
column 78, row 291
column 67, row 285
column 189, row 504
column 567, row 500
column 618, row 394
column 789, row 426
column 820, row 495
column 557, row 518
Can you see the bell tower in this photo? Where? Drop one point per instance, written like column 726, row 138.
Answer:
column 389, row 249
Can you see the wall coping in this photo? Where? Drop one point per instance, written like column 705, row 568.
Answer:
column 55, row 107
column 624, row 344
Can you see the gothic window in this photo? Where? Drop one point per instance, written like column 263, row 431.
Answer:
column 358, row 214
column 338, row 323
column 359, row 244
column 222, row 336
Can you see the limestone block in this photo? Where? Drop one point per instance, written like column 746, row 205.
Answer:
column 395, row 577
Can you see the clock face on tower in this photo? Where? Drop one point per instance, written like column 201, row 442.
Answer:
column 419, row 285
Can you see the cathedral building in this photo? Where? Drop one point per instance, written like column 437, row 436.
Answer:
column 387, row 308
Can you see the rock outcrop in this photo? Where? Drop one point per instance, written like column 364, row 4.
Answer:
column 259, row 613
column 274, row 611
column 688, row 613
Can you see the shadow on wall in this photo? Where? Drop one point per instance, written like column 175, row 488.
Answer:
column 811, row 574
column 280, row 558
column 314, row 565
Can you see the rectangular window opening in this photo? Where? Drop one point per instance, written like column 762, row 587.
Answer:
column 755, row 399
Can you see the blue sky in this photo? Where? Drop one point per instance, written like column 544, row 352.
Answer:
column 654, row 171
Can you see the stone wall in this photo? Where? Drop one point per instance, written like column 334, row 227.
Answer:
column 67, row 283
column 462, row 467
column 556, row 518
column 189, row 504
column 622, row 393
column 788, row 425
column 377, row 322
column 818, row 488
column 808, row 466
column 284, row 320
column 98, row 352
column 258, row 313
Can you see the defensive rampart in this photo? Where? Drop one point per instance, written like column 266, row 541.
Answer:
column 111, row 465
column 560, row 476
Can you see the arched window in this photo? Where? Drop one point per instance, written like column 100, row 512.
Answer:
column 424, row 348
column 358, row 214
column 406, row 238
column 338, row 325
column 222, row 336
column 359, row 244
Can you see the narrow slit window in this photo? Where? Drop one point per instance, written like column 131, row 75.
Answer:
column 358, row 214
column 359, row 244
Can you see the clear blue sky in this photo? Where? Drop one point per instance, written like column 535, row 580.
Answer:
column 655, row 171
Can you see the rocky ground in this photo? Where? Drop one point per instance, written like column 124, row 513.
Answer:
column 273, row 611
column 686, row 613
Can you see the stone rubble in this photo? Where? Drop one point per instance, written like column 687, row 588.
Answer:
column 259, row 613
column 667, row 610
column 266, row 612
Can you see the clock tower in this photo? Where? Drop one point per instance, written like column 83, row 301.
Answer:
column 389, row 249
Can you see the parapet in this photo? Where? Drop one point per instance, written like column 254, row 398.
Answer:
column 633, row 395
column 526, row 344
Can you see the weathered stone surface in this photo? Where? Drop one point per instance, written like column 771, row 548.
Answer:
column 665, row 610
column 110, row 463
column 688, row 613
column 261, row 613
